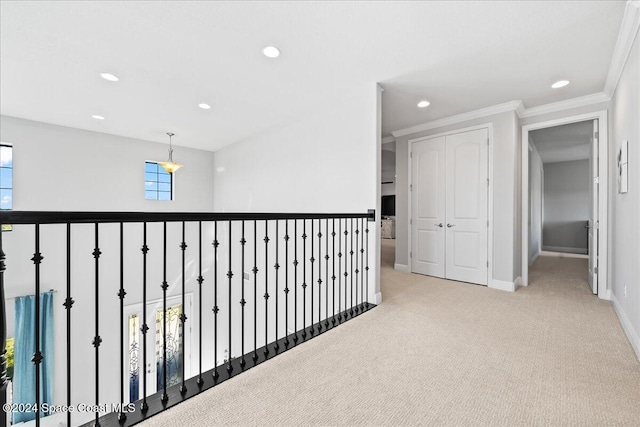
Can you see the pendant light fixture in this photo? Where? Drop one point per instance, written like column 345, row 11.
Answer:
column 170, row 166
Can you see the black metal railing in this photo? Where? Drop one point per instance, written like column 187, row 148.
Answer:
column 323, row 282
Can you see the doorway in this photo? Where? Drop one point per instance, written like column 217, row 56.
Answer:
column 388, row 204
column 564, row 193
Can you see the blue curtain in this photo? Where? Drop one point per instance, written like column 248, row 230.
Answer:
column 24, row 376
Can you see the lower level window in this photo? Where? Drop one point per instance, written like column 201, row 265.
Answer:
column 158, row 183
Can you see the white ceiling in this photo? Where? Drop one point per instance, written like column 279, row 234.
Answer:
column 563, row 143
column 172, row 55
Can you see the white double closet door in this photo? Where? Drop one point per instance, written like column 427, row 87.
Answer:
column 449, row 194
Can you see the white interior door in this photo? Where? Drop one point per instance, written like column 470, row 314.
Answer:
column 593, row 224
column 428, row 207
column 466, row 206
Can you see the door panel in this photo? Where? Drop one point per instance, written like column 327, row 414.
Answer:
column 466, row 171
column 593, row 212
column 465, row 249
column 427, row 246
column 428, row 207
column 428, row 164
column 466, row 206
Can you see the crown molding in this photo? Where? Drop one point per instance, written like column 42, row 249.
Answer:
column 516, row 106
column 470, row 115
column 581, row 101
column 626, row 37
column 388, row 139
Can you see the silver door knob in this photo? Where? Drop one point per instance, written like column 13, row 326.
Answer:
column 439, row 225
column 450, row 225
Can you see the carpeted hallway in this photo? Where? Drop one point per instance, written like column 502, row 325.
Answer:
column 437, row 352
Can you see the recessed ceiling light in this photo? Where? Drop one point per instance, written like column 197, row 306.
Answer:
column 561, row 83
column 271, row 52
column 204, row 106
column 423, row 104
column 109, row 77
column 98, row 117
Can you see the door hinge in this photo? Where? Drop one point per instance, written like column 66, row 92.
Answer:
column 410, row 187
column 487, row 263
column 597, row 135
column 487, row 223
column 411, row 154
column 410, row 254
column 596, row 180
column 410, row 221
column 595, row 270
column 487, row 182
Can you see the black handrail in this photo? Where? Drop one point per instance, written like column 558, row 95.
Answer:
column 51, row 217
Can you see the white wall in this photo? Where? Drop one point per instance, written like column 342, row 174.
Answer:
column 536, row 182
column 506, row 246
column 64, row 169
column 566, row 206
column 325, row 163
column 625, row 228
column 97, row 171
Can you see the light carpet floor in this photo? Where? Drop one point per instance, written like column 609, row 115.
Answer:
column 438, row 352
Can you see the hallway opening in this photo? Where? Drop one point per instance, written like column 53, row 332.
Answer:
column 564, row 193
column 388, row 200
column 563, row 197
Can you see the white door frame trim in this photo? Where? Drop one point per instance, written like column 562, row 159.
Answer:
column 489, row 127
column 603, row 193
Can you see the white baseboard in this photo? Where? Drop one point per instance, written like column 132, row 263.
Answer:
column 517, row 283
column 564, row 254
column 565, row 249
column 402, row 267
column 377, row 298
column 503, row 285
column 627, row 326
column 534, row 258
